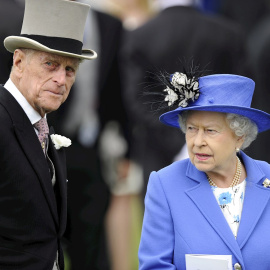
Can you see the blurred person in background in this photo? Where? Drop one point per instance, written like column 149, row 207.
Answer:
column 124, row 217
column 247, row 13
column 175, row 36
column 254, row 17
column 258, row 42
column 99, row 171
column 132, row 13
column 11, row 14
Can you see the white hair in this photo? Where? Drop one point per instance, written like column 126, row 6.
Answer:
column 240, row 125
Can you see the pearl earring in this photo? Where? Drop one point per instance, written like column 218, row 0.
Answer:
column 237, row 150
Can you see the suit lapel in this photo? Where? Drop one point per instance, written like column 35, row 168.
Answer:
column 35, row 155
column 204, row 199
column 58, row 159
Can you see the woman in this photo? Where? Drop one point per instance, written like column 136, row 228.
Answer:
column 217, row 201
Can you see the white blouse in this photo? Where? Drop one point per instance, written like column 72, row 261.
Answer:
column 231, row 201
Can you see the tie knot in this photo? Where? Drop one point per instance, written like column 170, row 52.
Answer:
column 42, row 126
column 43, row 131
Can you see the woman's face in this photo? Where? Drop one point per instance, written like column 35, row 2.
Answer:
column 210, row 141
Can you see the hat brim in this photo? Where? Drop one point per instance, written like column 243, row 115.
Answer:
column 260, row 118
column 12, row 43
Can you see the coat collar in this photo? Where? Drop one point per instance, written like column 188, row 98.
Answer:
column 254, row 171
column 251, row 213
column 255, row 201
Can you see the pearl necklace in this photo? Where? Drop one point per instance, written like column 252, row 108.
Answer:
column 236, row 178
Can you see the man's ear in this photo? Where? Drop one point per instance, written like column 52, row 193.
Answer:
column 19, row 60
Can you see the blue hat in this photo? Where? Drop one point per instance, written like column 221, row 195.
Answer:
column 218, row 93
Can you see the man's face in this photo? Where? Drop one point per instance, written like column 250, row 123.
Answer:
column 45, row 79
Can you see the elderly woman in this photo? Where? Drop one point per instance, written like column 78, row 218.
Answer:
column 217, row 201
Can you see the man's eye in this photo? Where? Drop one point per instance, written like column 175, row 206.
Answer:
column 69, row 69
column 51, row 65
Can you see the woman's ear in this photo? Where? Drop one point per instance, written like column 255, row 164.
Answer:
column 240, row 141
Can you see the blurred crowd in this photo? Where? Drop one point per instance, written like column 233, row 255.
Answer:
column 112, row 118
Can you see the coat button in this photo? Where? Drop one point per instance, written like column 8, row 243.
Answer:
column 237, row 266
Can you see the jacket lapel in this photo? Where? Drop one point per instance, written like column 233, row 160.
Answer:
column 58, row 159
column 203, row 197
column 256, row 199
column 30, row 145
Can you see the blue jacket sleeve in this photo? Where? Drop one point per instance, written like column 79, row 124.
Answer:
column 157, row 239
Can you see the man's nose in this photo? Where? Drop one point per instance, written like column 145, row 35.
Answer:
column 60, row 76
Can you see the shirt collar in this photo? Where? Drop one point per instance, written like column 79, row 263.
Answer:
column 171, row 3
column 32, row 114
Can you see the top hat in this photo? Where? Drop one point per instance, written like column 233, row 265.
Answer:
column 218, row 93
column 53, row 26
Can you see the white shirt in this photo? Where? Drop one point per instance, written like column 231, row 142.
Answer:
column 31, row 113
column 170, row 3
column 231, row 202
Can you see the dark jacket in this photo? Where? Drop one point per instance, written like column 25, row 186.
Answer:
column 33, row 213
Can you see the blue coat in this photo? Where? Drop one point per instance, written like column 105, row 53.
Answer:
column 182, row 217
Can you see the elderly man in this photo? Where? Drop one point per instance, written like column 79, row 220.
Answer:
column 33, row 181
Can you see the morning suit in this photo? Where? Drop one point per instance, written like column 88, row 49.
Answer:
column 33, row 212
column 169, row 42
column 182, row 216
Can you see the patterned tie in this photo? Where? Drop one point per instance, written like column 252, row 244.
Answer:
column 43, row 131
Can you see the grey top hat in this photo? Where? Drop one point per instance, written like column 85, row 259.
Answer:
column 54, row 26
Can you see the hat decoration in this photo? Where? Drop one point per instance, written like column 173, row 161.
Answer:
column 164, row 91
column 182, row 89
column 225, row 93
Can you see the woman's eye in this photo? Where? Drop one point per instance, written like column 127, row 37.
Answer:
column 191, row 129
column 211, row 131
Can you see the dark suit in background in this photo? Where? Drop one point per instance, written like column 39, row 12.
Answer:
column 258, row 45
column 245, row 12
column 254, row 18
column 11, row 14
column 176, row 34
column 88, row 195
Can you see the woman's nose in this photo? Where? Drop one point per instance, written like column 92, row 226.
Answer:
column 200, row 138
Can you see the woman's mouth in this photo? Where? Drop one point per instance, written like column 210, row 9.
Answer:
column 202, row 156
